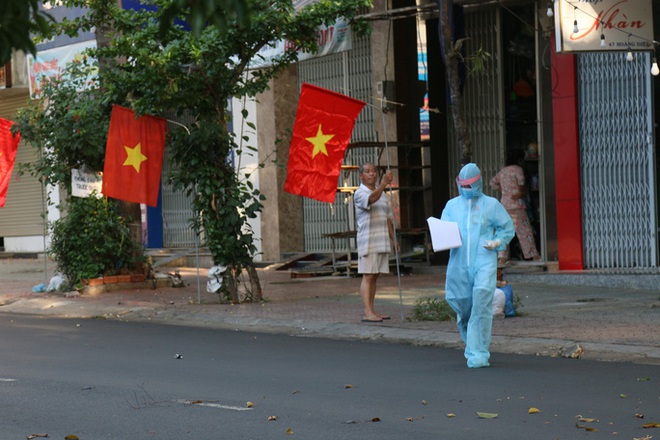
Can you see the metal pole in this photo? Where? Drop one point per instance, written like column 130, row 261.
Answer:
column 396, row 248
column 199, row 294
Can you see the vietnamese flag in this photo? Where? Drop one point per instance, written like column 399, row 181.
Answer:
column 8, row 147
column 133, row 157
column 323, row 128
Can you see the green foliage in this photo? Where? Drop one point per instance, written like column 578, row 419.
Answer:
column 18, row 19
column 156, row 69
column 432, row 309
column 198, row 77
column 92, row 240
column 517, row 304
column 218, row 12
column 68, row 123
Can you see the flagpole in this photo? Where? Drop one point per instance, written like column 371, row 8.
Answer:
column 396, row 247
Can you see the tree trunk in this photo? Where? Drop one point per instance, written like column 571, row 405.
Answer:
column 231, row 283
column 233, row 280
column 255, row 284
column 452, row 57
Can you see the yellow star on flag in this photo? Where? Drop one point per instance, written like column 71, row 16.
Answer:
column 319, row 142
column 134, row 157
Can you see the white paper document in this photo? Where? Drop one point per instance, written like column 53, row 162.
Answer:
column 444, row 235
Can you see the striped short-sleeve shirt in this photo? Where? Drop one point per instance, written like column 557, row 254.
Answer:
column 373, row 235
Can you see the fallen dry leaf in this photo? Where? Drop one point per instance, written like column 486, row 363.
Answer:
column 648, row 437
column 585, row 420
column 424, row 402
column 376, row 419
column 289, row 431
column 450, row 415
column 410, row 419
column 272, row 418
column 585, row 427
column 484, row 415
column 295, row 392
column 639, row 416
column 71, row 437
column 348, row 385
column 533, row 410
column 29, row 437
column 249, row 404
column 651, row 425
column 573, row 351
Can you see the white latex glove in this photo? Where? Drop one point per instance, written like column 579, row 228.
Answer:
column 491, row 245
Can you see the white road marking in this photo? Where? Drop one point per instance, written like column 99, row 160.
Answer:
column 212, row 405
column 3, row 379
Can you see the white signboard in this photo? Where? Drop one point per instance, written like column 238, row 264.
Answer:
column 82, row 183
column 623, row 24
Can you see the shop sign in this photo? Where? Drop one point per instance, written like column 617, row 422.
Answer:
column 603, row 25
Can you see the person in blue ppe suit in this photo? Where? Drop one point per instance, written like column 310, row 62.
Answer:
column 485, row 228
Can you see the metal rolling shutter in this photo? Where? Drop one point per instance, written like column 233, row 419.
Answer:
column 177, row 208
column 21, row 215
column 348, row 73
column 482, row 100
column 617, row 160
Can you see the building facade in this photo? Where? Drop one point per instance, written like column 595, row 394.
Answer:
column 586, row 132
column 22, row 226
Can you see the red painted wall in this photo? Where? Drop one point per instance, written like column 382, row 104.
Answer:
column 567, row 162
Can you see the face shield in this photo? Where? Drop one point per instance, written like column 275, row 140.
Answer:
column 469, row 181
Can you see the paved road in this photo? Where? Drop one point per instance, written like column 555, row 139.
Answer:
column 101, row 379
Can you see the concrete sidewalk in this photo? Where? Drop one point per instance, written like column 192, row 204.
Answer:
column 609, row 324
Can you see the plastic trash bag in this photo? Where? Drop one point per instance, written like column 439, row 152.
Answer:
column 55, row 283
column 499, row 300
column 509, row 309
column 215, row 278
column 39, row 288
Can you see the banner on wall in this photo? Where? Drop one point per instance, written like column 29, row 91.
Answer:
column 331, row 39
column 49, row 64
column 603, row 25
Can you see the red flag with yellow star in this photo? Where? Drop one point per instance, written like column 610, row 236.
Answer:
column 323, row 128
column 133, row 157
column 8, row 147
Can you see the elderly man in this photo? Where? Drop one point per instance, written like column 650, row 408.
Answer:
column 375, row 235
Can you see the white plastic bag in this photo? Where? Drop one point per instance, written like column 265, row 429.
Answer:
column 55, row 283
column 215, row 278
column 499, row 300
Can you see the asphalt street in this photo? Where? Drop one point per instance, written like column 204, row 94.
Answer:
column 97, row 378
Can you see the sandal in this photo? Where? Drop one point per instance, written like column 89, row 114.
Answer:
column 372, row 319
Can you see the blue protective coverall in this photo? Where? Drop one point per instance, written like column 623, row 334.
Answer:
column 472, row 268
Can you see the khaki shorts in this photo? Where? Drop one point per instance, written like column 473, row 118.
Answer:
column 374, row 263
